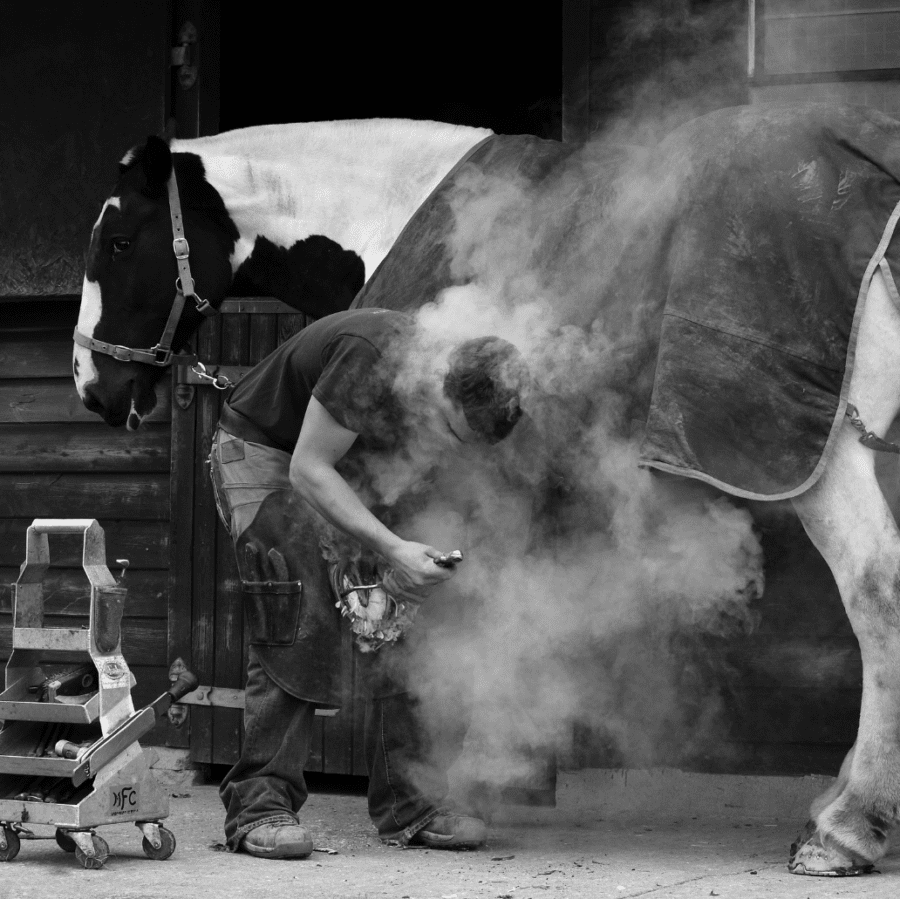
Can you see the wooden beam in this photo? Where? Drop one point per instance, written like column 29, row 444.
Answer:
column 228, row 662
column 103, row 495
column 67, row 593
column 29, row 400
column 82, row 446
column 202, row 570
column 142, row 638
column 230, row 698
column 144, row 543
column 35, row 355
column 260, row 305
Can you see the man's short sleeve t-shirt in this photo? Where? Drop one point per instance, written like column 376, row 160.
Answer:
column 342, row 361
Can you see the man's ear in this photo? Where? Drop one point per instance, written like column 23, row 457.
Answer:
column 157, row 164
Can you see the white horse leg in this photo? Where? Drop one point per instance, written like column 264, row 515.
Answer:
column 847, row 518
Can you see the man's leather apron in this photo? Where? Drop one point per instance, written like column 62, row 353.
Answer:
column 290, row 616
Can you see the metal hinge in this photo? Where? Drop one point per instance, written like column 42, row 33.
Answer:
column 229, row 698
column 185, row 374
column 186, row 56
column 221, row 697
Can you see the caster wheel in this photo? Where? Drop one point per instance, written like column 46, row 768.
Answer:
column 64, row 841
column 101, row 854
column 13, row 844
column 167, row 838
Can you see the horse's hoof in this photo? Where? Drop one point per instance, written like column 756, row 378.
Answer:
column 821, row 857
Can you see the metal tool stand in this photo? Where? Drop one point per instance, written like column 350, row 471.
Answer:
column 109, row 779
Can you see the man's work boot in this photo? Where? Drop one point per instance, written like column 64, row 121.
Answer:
column 278, row 841
column 451, row 832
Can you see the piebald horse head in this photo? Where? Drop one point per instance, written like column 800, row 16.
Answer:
column 301, row 212
column 131, row 273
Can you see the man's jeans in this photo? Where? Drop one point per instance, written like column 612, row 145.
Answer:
column 407, row 769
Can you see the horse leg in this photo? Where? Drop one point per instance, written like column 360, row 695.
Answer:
column 847, row 518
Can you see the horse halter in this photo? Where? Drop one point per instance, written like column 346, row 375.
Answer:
column 161, row 355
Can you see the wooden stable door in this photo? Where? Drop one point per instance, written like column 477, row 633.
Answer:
column 205, row 614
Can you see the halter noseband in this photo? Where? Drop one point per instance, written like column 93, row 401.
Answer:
column 161, row 355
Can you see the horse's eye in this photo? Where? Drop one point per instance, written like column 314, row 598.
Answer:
column 120, row 245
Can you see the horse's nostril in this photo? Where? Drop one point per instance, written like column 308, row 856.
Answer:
column 91, row 402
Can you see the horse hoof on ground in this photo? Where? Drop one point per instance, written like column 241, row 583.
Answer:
column 819, row 856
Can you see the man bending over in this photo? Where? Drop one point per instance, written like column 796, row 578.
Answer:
column 330, row 395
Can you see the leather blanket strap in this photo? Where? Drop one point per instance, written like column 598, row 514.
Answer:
column 161, row 354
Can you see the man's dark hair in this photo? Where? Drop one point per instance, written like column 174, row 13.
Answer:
column 486, row 378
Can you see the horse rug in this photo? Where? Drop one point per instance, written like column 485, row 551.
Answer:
column 733, row 260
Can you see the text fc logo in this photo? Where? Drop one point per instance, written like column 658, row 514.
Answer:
column 124, row 799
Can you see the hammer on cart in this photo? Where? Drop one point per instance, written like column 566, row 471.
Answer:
column 99, row 753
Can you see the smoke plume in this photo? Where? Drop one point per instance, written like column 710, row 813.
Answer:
column 591, row 588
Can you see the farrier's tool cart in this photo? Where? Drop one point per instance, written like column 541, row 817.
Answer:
column 69, row 755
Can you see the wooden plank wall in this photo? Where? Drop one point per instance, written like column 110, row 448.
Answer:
column 57, row 460
column 82, row 83
column 840, row 54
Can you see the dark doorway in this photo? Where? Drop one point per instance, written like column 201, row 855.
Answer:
column 471, row 68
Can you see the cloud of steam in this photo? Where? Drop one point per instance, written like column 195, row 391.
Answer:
column 593, row 587
column 666, row 62
column 595, row 608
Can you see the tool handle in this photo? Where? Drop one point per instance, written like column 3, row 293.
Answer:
column 449, row 560
column 187, row 682
column 68, row 750
column 61, row 525
column 132, row 728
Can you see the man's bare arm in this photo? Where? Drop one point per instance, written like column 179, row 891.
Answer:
column 323, row 442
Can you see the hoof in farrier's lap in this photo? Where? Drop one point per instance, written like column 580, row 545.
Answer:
column 820, row 857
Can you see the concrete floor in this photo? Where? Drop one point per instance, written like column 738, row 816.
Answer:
column 707, row 837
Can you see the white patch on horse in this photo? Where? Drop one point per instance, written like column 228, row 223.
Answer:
column 88, row 316
column 134, row 418
column 355, row 182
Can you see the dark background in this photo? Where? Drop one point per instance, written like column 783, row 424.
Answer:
column 472, row 66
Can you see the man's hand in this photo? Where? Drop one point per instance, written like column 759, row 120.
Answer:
column 414, row 570
column 322, row 443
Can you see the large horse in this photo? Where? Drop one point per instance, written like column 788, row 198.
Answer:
column 751, row 250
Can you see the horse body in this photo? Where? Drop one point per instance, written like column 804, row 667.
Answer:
column 304, row 213
column 357, row 183
column 337, row 195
